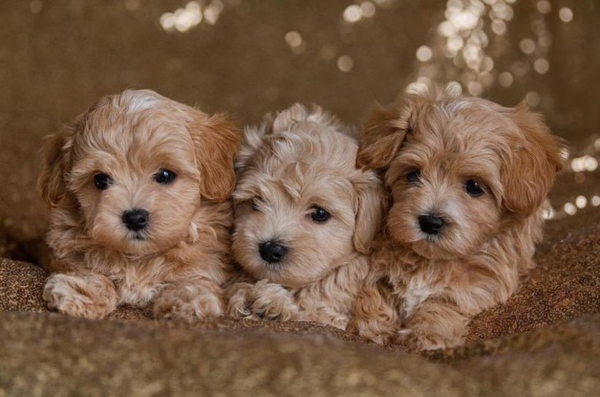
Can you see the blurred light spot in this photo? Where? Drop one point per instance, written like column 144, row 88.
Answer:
column 596, row 201
column 475, row 88
column 454, row 89
column 585, row 163
column 520, row 68
column 565, row 14
column 533, row 99
column 345, row 63
column 548, row 213
column 544, row 6
column 213, row 11
column 505, row 79
column 487, row 64
column 570, row 209
column 581, row 202
column 502, row 11
column 597, row 144
column 183, row 19
column 368, row 9
column 499, row 27
column 579, row 177
column 167, row 21
column 446, row 29
column 133, row 5
column 421, row 86
column 36, row 6
column 541, row 65
column 591, row 164
column 293, row 39
column 527, row 46
column 424, row 53
column 327, row 52
column 455, row 44
column 472, row 55
column 353, row 13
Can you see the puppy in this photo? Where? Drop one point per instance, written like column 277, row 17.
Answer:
column 138, row 188
column 468, row 179
column 304, row 219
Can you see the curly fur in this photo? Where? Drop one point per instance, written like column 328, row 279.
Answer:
column 294, row 161
column 423, row 289
column 178, row 263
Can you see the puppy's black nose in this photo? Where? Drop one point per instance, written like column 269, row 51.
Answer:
column 136, row 219
column 272, row 251
column 431, row 224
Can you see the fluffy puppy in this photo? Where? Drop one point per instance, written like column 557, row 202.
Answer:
column 467, row 179
column 138, row 189
column 304, row 219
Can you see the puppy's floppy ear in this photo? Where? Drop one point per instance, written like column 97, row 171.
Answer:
column 216, row 142
column 528, row 172
column 57, row 162
column 382, row 136
column 370, row 203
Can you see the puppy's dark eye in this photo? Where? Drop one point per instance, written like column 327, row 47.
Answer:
column 414, row 177
column 473, row 188
column 102, row 181
column 255, row 202
column 165, row 177
column 319, row 215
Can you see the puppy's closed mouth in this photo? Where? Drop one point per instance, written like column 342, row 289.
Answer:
column 137, row 237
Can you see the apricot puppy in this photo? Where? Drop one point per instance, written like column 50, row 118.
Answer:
column 468, row 179
column 304, row 219
column 137, row 187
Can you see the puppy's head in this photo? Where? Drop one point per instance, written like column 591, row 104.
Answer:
column 458, row 169
column 302, row 208
column 135, row 166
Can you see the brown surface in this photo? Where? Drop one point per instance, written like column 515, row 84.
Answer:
column 565, row 284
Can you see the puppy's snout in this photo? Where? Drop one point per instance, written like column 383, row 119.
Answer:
column 431, row 224
column 136, row 219
column 272, row 251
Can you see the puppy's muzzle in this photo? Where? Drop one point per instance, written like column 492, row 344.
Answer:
column 272, row 251
column 431, row 224
column 136, row 219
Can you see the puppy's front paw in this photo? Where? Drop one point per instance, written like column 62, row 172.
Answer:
column 371, row 330
column 188, row 303
column 89, row 296
column 262, row 300
column 421, row 340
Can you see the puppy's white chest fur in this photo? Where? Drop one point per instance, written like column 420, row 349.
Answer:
column 417, row 291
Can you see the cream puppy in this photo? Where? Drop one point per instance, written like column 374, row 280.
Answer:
column 138, row 188
column 304, row 219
